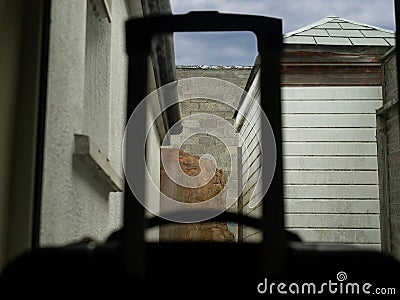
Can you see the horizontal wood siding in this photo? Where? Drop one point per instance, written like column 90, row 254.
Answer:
column 330, row 68
column 336, row 75
column 330, row 163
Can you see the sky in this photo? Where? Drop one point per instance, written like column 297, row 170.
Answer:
column 240, row 48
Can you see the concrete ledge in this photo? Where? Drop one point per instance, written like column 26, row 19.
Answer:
column 87, row 152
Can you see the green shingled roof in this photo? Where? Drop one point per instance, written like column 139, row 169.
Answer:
column 335, row 31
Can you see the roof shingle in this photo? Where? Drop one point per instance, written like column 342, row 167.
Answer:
column 338, row 31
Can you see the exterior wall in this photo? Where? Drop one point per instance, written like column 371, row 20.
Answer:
column 86, row 92
column 236, row 75
column 389, row 159
column 330, row 166
column 87, row 89
column 200, row 144
column 75, row 203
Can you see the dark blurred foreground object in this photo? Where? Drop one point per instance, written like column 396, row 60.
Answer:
column 186, row 269
column 127, row 265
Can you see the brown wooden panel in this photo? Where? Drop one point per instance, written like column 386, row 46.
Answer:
column 337, row 75
column 328, row 57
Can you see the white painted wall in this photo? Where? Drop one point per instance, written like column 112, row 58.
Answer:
column 65, row 98
column 87, row 90
column 330, row 164
column 75, row 203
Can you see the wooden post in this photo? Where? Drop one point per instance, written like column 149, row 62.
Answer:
column 384, row 199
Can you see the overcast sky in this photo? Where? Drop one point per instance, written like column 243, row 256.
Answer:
column 239, row 48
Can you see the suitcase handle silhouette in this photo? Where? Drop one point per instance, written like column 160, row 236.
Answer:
column 268, row 32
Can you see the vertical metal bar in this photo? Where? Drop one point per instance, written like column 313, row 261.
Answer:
column 134, row 243
column 274, row 241
column 41, row 124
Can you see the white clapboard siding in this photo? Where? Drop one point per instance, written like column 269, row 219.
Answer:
column 251, row 128
column 324, row 206
column 331, row 191
column 332, row 93
column 250, row 182
column 331, row 177
column 338, row 236
column 250, row 158
column 250, row 148
column 332, row 221
column 251, row 164
column 254, row 196
column 328, row 120
column 257, row 238
column 333, row 206
column 329, row 162
column 255, row 212
column 334, row 107
column 342, row 246
column 329, row 135
column 328, row 148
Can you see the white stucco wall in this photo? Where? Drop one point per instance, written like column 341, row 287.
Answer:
column 117, row 109
column 87, row 92
column 86, row 95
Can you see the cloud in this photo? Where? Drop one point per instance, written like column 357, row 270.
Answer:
column 215, row 48
column 295, row 14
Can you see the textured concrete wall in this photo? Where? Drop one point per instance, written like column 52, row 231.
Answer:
column 199, row 144
column 190, row 166
column 233, row 74
column 86, row 95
